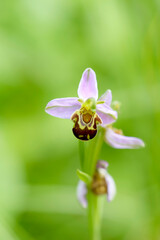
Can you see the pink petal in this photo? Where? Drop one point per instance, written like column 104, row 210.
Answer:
column 116, row 140
column 81, row 193
column 107, row 114
column 106, row 97
column 63, row 107
column 88, row 85
column 111, row 187
column 102, row 164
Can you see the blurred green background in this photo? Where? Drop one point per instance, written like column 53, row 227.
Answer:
column 45, row 45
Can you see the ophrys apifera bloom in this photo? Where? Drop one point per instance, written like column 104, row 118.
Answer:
column 86, row 111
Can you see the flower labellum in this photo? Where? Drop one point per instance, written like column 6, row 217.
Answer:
column 99, row 185
column 86, row 120
column 86, row 111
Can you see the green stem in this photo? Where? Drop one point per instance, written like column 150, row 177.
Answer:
column 89, row 154
column 97, row 149
column 82, row 154
column 95, row 208
column 93, row 151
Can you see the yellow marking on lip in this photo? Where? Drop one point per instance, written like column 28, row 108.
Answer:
column 88, row 136
column 80, row 136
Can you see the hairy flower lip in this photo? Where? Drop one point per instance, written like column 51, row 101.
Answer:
column 85, row 124
column 99, row 184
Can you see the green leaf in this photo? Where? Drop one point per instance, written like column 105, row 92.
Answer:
column 84, row 177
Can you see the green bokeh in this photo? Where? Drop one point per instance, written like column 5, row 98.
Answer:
column 44, row 48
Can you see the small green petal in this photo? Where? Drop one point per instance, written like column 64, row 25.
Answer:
column 90, row 104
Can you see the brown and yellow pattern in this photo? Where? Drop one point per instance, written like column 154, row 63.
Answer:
column 85, row 124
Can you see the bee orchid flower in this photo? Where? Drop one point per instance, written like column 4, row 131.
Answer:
column 102, row 183
column 86, row 111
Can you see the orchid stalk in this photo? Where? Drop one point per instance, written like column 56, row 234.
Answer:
column 93, row 120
